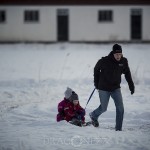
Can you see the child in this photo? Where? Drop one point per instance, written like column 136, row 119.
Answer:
column 69, row 109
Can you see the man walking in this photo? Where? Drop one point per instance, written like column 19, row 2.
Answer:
column 107, row 79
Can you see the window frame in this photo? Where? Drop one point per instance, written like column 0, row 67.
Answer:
column 105, row 16
column 2, row 15
column 31, row 16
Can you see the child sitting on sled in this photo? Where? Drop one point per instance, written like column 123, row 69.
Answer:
column 70, row 110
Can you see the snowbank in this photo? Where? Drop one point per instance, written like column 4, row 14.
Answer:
column 33, row 78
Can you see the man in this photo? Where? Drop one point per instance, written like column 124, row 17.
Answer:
column 107, row 79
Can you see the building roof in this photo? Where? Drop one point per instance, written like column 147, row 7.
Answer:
column 74, row 2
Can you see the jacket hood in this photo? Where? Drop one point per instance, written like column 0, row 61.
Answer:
column 111, row 56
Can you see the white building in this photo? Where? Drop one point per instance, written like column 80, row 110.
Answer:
column 74, row 21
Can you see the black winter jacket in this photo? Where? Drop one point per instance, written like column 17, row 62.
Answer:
column 108, row 71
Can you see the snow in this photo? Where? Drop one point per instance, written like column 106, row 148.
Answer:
column 33, row 78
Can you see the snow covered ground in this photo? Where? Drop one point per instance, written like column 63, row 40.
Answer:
column 33, row 78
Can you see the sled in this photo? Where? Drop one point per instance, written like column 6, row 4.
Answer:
column 80, row 123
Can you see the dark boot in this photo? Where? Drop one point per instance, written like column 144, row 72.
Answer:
column 95, row 122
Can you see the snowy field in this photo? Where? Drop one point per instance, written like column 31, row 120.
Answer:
column 33, row 78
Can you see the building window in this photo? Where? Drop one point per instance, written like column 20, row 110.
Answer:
column 62, row 12
column 2, row 16
column 136, row 12
column 105, row 16
column 31, row 16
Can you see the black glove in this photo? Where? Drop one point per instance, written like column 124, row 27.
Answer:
column 132, row 92
column 80, row 113
column 132, row 89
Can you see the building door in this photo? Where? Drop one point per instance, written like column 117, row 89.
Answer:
column 136, row 24
column 62, row 24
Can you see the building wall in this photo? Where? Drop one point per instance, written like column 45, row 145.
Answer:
column 16, row 30
column 88, row 28
column 83, row 24
column 146, row 23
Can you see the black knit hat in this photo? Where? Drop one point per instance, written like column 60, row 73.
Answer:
column 74, row 96
column 117, row 48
